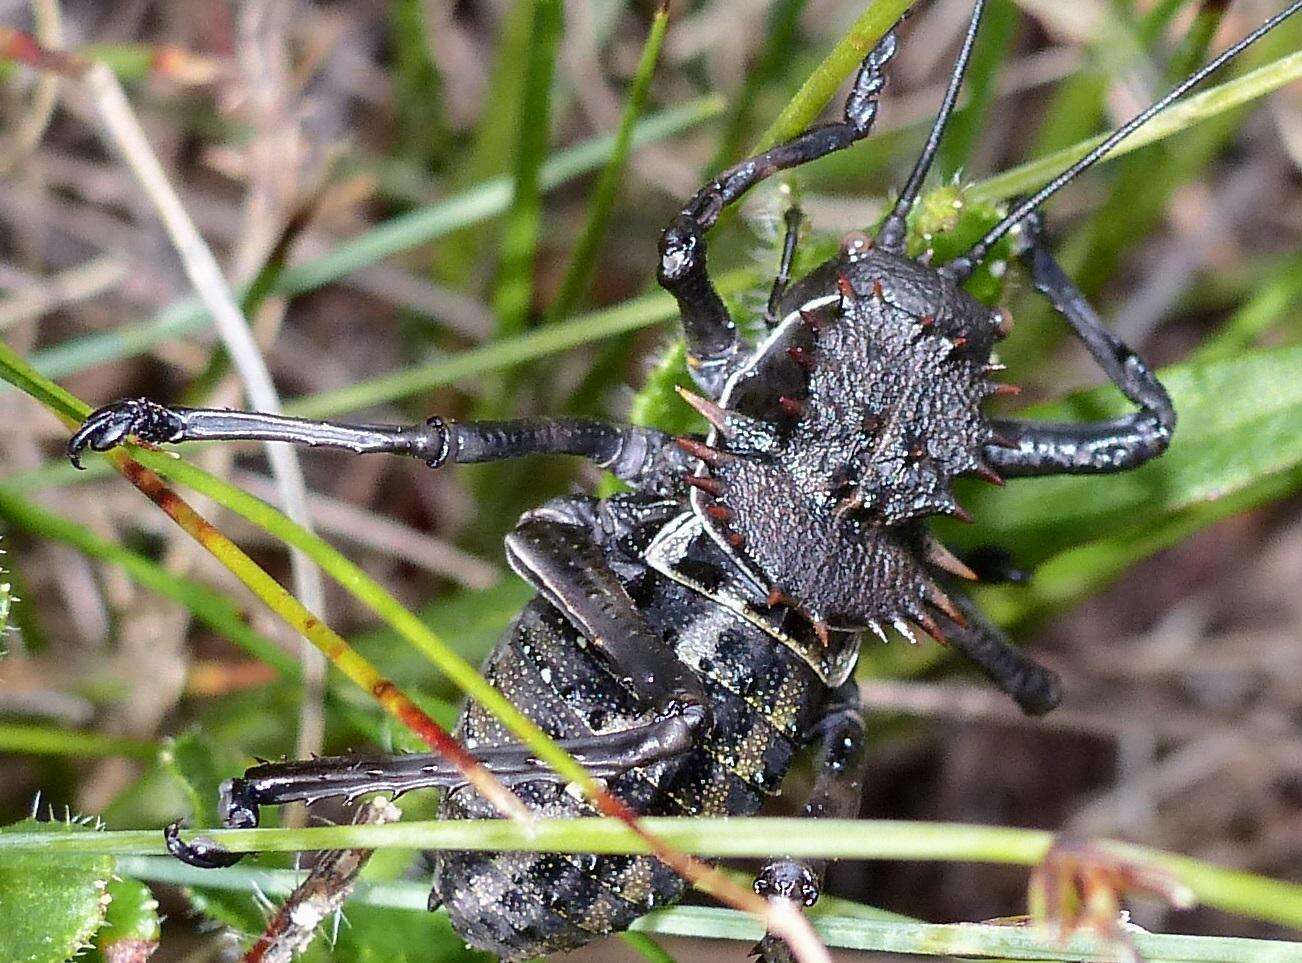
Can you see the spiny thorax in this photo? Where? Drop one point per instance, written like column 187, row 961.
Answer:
column 844, row 434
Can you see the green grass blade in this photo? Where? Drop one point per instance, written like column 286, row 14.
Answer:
column 629, row 316
column 418, row 104
column 647, row 948
column 964, row 940
column 1258, row 897
column 818, row 90
column 840, row 931
column 513, row 292
column 36, row 740
column 489, row 155
column 394, row 236
column 585, row 255
column 211, row 608
column 1275, row 301
column 1185, row 114
column 418, row 227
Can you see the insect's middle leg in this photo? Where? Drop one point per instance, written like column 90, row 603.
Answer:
column 841, row 762
column 713, row 345
column 1038, row 448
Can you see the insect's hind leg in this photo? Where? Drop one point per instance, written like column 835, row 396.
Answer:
column 713, row 344
column 841, row 763
column 1039, row 448
column 310, row 780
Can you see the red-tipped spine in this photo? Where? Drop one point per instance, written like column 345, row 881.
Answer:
column 699, row 449
column 711, row 486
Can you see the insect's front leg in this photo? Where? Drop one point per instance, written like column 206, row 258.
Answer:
column 713, row 344
column 1031, row 448
column 841, row 763
column 628, row 451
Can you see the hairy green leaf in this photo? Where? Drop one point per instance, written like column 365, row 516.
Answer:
column 132, row 928
column 50, row 904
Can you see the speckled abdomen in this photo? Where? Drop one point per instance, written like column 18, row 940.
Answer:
column 521, row 905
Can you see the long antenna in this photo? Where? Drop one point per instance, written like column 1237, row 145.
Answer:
column 961, row 267
column 892, row 232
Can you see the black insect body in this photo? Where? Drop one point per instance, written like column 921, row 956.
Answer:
column 689, row 637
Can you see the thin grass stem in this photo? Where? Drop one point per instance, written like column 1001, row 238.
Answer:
column 585, row 254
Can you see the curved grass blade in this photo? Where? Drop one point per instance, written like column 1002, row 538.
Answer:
column 211, row 608
column 392, row 237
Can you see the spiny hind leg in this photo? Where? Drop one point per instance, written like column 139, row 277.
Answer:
column 604, row 756
column 841, row 762
column 556, row 551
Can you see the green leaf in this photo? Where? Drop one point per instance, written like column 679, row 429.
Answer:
column 379, row 935
column 131, row 929
column 50, row 904
column 1240, row 422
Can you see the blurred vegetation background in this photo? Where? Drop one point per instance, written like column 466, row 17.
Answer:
column 408, row 197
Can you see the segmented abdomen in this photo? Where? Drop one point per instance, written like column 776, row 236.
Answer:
column 520, row 905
